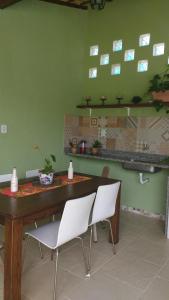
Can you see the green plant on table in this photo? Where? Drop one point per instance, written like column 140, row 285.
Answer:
column 48, row 161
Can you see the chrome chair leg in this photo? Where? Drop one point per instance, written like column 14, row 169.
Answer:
column 55, row 274
column 52, row 254
column 95, row 239
column 90, row 248
column 39, row 244
column 111, row 233
column 84, row 257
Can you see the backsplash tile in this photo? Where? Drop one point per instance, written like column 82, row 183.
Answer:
column 138, row 134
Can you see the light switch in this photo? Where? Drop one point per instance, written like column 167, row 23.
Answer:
column 4, row 128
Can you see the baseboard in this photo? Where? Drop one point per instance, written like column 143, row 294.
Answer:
column 142, row 212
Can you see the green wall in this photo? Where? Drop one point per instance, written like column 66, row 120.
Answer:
column 127, row 20
column 43, row 75
column 41, row 78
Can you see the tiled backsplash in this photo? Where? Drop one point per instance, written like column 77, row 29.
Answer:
column 138, row 134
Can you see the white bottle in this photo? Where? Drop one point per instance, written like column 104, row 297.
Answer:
column 14, row 181
column 70, row 170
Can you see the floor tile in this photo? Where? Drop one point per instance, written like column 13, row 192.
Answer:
column 139, row 270
column 73, row 261
column 149, row 251
column 100, row 287
column 38, row 282
column 159, row 289
column 130, row 269
column 164, row 272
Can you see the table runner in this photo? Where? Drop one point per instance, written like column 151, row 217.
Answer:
column 31, row 188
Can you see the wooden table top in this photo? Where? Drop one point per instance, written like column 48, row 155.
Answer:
column 26, row 206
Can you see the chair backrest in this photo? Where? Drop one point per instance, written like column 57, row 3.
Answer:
column 105, row 172
column 105, row 202
column 75, row 218
column 5, row 177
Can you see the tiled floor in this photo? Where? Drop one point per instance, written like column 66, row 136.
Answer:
column 139, row 270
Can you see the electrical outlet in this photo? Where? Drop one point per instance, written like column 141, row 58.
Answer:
column 4, row 128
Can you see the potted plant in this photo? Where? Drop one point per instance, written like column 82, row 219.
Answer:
column 73, row 147
column 96, row 146
column 159, row 86
column 46, row 174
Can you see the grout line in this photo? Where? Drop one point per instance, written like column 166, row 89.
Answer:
column 154, row 277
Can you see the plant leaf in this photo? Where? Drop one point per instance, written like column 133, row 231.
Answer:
column 53, row 157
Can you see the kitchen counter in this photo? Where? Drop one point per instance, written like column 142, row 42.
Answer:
column 156, row 160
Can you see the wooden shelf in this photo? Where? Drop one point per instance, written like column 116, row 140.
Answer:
column 124, row 105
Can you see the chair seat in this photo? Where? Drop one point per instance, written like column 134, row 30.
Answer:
column 46, row 234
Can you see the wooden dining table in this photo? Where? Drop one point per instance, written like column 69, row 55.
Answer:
column 15, row 213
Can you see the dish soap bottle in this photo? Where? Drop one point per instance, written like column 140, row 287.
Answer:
column 70, row 170
column 14, row 181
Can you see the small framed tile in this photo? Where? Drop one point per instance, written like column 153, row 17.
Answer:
column 158, row 49
column 142, row 65
column 144, row 40
column 92, row 73
column 94, row 50
column 117, row 45
column 129, row 55
column 104, row 59
column 116, row 69
column 94, row 122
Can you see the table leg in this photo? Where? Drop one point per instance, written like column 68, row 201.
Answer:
column 116, row 219
column 13, row 259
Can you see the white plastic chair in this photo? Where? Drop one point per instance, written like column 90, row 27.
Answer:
column 74, row 222
column 105, row 173
column 103, row 209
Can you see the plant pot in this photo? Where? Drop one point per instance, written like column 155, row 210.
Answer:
column 161, row 96
column 95, row 151
column 46, row 179
column 74, row 150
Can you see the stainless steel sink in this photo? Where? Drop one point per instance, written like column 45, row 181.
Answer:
column 141, row 162
column 140, row 167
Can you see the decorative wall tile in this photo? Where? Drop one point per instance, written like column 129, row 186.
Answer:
column 85, row 131
column 71, row 120
column 165, row 135
column 121, row 122
column 84, row 121
column 93, row 122
column 102, row 122
column 126, row 140
column 110, row 144
column 113, row 133
column 132, row 122
column 163, row 148
column 111, row 121
column 120, row 133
